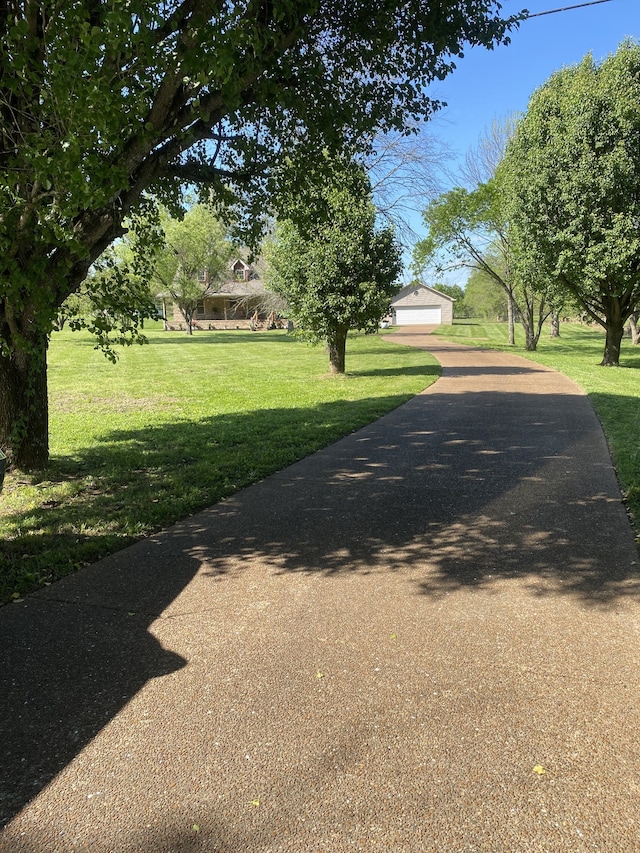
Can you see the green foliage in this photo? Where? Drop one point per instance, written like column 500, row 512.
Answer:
column 105, row 103
column 460, row 308
column 470, row 229
column 193, row 260
column 329, row 262
column 467, row 229
column 462, row 227
column 484, row 297
column 102, row 101
column 175, row 426
column 114, row 300
column 572, row 174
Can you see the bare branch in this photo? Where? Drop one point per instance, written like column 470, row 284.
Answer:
column 482, row 161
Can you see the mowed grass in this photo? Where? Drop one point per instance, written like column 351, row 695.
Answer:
column 614, row 392
column 175, row 426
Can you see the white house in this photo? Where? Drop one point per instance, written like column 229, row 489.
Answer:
column 419, row 305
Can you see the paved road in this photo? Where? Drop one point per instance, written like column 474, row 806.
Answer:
column 423, row 638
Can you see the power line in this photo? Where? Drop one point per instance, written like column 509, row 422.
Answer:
column 566, row 8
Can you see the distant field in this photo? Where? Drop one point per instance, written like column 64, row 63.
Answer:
column 174, row 427
column 614, row 392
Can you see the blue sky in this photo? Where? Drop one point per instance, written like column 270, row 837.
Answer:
column 491, row 84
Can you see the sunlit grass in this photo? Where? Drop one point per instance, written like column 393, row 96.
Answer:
column 176, row 426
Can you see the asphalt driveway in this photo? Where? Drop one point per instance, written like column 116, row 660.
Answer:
column 423, row 638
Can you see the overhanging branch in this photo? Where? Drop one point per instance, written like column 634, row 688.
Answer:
column 203, row 173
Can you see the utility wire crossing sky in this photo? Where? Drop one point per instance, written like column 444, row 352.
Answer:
column 567, row 8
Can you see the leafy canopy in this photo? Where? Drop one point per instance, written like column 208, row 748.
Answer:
column 107, row 106
column 104, row 100
column 334, row 268
column 193, row 260
column 573, row 177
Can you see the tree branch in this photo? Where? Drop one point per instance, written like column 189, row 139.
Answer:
column 203, row 173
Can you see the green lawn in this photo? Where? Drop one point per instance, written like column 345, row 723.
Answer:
column 183, row 422
column 614, row 391
column 177, row 425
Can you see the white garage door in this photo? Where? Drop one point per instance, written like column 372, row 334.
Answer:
column 430, row 315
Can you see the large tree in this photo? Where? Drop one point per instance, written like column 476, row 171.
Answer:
column 193, row 260
column 104, row 102
column 573, row 174
column 335, row 269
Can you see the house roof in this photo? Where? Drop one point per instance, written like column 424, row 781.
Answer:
column 232, row 287
column 239, row 288
column 410, row 288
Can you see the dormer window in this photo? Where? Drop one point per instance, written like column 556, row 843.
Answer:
column 202, row 275
column 240, row 271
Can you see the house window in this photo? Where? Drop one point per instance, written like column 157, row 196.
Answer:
column 200, row 309
column 239, row 274
column 202, row 275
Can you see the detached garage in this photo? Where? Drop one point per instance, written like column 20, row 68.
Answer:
column 419, row 305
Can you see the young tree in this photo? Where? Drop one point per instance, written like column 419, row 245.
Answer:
column 103, row 103
column 572, row 173
column 469, row 229
column 335, row 270
column 193, row 260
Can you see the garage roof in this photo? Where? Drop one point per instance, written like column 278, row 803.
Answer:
column 421, row 290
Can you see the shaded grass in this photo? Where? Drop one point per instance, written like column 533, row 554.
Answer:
column 176, row 426
column 614, row 392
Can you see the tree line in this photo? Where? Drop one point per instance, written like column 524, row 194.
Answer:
column 553, row 216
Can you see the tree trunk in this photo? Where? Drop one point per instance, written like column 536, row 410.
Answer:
column 528, row 324
column 530, row 341
column 615, row 317
column 187, row 309
column 24, row 408
column 635, row 331
column 613, row 342
column 337, row 345
column 511, row 319
column 555, row 325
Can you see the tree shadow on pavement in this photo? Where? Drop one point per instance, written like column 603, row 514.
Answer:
column 67, row 668
column 520, row 487
column 452, row 491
